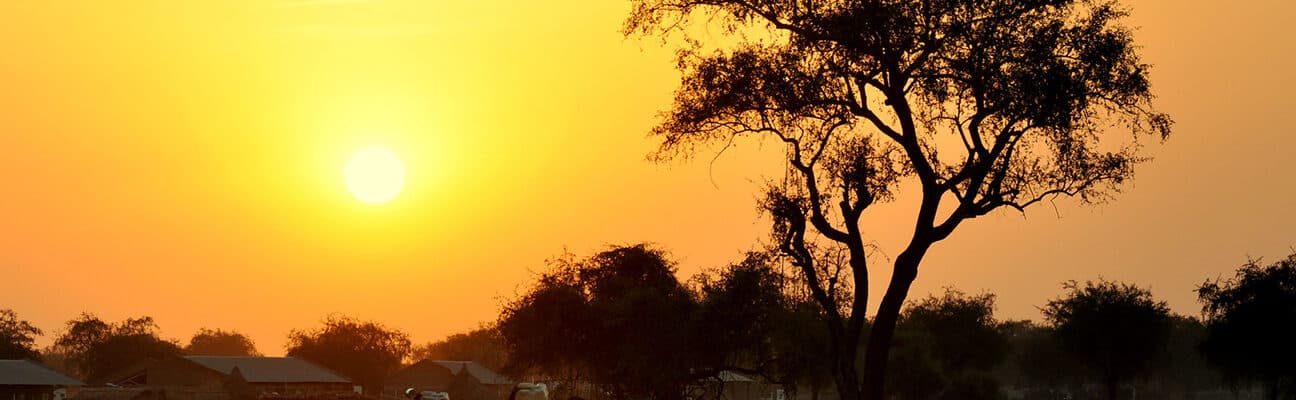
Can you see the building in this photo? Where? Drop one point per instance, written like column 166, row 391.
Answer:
column 463, row 380
column 195, row 376
column 27, row 380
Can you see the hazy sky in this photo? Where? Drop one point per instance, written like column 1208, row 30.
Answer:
column 184, row 160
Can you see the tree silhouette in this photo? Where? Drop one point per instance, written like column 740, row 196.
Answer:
column 945, row 347
column 623, row 322
column 483, row 345
column 1041, row 364
column 981, row 105
column 619, row 319
column 17, row 337
column 95, row 349
column 1251, row 323
column 1116, row 330
column 749, row 322
column 1184, row 370
column 363, row 351
column 217, row 342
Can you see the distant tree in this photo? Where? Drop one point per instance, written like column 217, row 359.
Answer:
column 1118, row 331
column 800, row 343
column 217, row 342
column 946, row 347
column 980, row 105
column 1251, row 325
column 1039, row 363
column 749, row 320
column 483, row 345
column 96, row 349
column 1184, row 370
column 363, row 351
column 619, row 319
column 56, row 358
column 17, row 337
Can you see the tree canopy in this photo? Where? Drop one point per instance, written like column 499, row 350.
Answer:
column 217, row 342
column 483, row 345
column 95, row 349
column 17, row 337
column 1118, row 331
column 945, row 347
column 1251, row 323
column 981, row 105
column 620, row 319
column 623, row 321
column 364, row 351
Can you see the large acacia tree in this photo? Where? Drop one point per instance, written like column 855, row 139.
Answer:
column 981, row 104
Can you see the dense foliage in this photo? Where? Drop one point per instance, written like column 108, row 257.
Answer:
column 1251, row 324
column 622, row 321
column 96, row 349
column 483, row 345
column 945, row 348
column 217, row 342
column 363, row 351
column 17, row 337
column 1117, row 331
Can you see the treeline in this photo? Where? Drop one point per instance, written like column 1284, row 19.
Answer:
column 96, row 351
column 622, row 322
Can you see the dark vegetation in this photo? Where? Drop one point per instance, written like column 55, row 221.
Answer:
column 1099, row 339
column 620, row 324
column 218, row 342
column 1251, row 325
column 364, row 351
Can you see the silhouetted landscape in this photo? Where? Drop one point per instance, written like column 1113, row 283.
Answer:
column 889, row 147
column 621, row 324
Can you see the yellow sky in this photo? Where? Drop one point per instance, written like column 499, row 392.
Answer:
column 184, row 160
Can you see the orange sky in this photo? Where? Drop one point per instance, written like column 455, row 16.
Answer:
column 184, row 160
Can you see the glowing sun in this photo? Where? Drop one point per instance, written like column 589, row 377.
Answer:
column 374, row 175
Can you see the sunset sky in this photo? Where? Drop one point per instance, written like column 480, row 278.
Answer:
column 184, row 160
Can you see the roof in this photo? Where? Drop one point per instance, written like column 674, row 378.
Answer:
column 24, row 372
column 269, row 369
column 109, row 393
column 475, row 370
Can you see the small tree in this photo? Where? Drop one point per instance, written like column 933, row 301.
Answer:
column 1118, row 331
column 1251, row 323
column 483, row 345
column 96, row 349
column 981, row 105
column 1185, row 370
column 1041, row 365
column 17, row 337
column 946, row 347
column 364, row 351
column 750, row 321
column 217, row 342
column 619, row 319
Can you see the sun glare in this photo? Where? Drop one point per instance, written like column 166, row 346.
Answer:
column 375, row 175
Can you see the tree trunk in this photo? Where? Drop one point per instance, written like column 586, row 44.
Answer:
column 845, row 374
column 876, row 354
